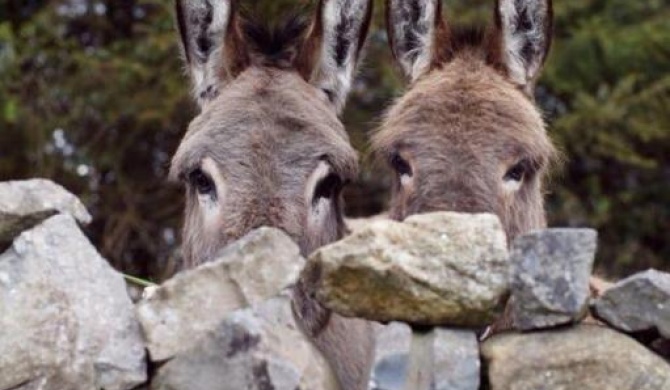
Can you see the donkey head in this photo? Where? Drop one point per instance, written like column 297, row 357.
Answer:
column 467, row 136
column 267, row 147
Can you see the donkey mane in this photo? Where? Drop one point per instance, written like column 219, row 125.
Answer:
column 467, row 37
column 275, row 45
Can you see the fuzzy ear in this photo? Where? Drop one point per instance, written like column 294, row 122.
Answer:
column 211, row 44
column 332, row 49
column 414, row 28
column 524, row 29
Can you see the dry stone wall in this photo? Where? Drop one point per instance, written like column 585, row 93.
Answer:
column 433, row 285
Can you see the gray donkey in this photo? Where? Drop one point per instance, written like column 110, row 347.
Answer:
column 268, row 148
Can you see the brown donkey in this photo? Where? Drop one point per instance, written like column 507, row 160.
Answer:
column 268, row 148
column 467, row 135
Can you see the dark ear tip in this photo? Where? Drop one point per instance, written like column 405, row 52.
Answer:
column 182, row 28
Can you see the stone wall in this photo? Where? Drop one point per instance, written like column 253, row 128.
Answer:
column 438, row 282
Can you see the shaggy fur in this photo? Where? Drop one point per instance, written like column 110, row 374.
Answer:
column 268, row 125
column 470, row 118
column 460, row 129
column 266, row 139
column 461, row 126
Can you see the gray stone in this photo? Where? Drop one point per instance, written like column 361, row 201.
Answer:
column 24, row 204
column 433, row 269
column 254, row 348
column 247, row 272
column 550, row 277
column 441, row 359
column 639, row 303
column 444, row 359
column 455, row 360
column 66, row 320
column 392, row 347
column 584, row 357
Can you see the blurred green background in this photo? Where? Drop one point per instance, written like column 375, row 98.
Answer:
column 93, row 96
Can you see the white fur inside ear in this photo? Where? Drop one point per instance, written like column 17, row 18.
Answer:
column 342, row 27
column 515, row 40
column 414, row 61
column 206, row 68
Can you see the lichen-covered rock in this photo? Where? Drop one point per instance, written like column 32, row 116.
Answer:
column 550, row 277
column 254, row 348
column 585, row 357
column 433, row 269
column 24, row 204
column 639, row 303
column 65, row 319
column 247, row 272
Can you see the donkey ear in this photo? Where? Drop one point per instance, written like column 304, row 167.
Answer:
column 332, row 49
column 414, row 28
column 524, row 29
column 210, row 43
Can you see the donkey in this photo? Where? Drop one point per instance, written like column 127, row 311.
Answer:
column 268, row 149
column 467, row 136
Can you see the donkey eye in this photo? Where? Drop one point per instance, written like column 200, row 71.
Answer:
column 401, row 165
column 328, row 187
column 518, row 172
column 201, row 182
column 330, row 95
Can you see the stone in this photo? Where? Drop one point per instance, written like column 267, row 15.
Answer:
column 356, row 224
column 24, row 204
column 392, row 347
column 456, row 362
column 585, row 357
column 444, row 359
column 438, row 359
column 194, row 302
column 433, row 269
column 65, row 318
column 640, row 303
column 550, row 277
column 260, row 347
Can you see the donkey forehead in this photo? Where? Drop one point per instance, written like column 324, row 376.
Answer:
column 468, row 109
column 268, row 117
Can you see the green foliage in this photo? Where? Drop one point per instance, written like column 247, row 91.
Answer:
column 607, row 88
column 96, row 101
column 93, row 95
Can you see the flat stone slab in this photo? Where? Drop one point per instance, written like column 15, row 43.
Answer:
column 66, row 321
column 550, row 277
column 584, row 357
column 254, row 348
column 433, row 269
column 193, row 303
column 640, row 303
column 24, row 204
